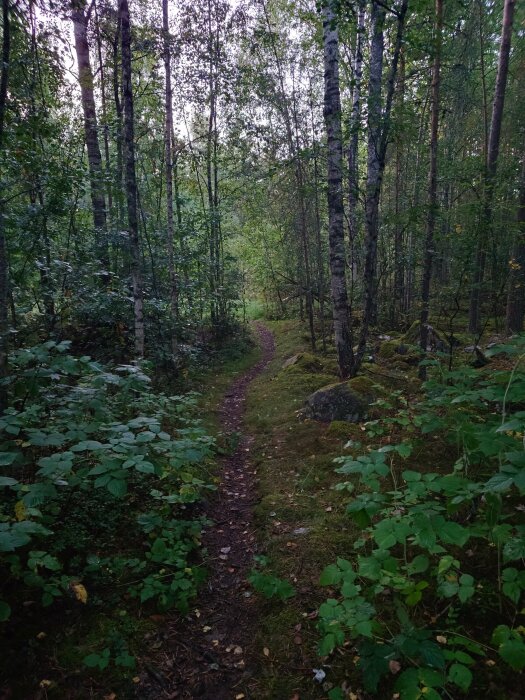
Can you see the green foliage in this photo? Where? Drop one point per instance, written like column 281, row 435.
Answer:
column 268, row 585
column 93, row 460
column 420, row 527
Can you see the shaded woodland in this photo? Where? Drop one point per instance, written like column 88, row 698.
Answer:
column 352, row 174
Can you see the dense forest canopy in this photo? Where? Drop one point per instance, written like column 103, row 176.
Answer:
column 230, row 161
column 171, row 170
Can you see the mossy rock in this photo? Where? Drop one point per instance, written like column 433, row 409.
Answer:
column 305, row 362
column 336, row 402
column 343, row 430
column 388, row 349
column 366, row 387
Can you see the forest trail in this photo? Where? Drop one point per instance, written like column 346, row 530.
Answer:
column 212, row 658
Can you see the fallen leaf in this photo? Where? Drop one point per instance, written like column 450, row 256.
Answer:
column 298, row 639
column 80, row 592
column 206, row 628
column 45, row 683
column 490, row 662
column 329, row 509
column 41, row 635
column 266, row 651
column 225, row 550
column 197, row 613
column 394, row 666
column 136, row 679
column 237, row 650
column 240, row 696
column 441, row 639
column 111, row 696
column 295, row 696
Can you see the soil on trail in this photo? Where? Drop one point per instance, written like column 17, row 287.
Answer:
column 209, row 654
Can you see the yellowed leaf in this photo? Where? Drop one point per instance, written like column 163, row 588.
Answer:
column 136, row 679
column 20, row 511
column 441, row 639
column 80, row 592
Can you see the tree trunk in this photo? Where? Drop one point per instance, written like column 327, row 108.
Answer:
column 492, row 164
column 378, row 132
column 4, row 294
column 169, row 178
column 516, row 293
column 355, row 123
column 85, row 79
column 332, row 115
column 130, row 177
column 432, row 187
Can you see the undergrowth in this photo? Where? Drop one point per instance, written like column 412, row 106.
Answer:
column 100, row 474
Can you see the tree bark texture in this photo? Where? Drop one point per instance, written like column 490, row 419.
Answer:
column 96, row 179
column 378, row 134
column 332, row 116
column 353, row 149
column 130, row 177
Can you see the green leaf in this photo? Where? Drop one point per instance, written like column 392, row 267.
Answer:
column 7, row 458
column 7, row 481
column 513, row 653
column 330, row 576
column 373, row 662
column 117, row 487
column 461, row 676
column 5, row 611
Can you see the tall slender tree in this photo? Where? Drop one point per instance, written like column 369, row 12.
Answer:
column 432, row 185
column 491, row 163
column 168, row 103
column 332, row 115
column 378, row 136
column 80, row 18
column 130, row 177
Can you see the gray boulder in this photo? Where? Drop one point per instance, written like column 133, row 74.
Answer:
column 335, row 402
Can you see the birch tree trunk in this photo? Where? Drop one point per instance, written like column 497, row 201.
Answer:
column 355, row 123
column 169, row 177
column 4, row 328
column 432, row 186
column 492, row 163
column 130, row 177
column 96, row 180
column 332, row 116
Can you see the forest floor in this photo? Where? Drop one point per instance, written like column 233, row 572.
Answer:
column 209, row 653
column 275, row 497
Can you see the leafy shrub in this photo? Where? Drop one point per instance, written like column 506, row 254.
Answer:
column 94, row 462
column 434, row 542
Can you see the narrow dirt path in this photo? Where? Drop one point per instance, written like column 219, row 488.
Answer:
column 212, row 649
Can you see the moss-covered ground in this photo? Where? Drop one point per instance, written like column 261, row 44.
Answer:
column 301, row 521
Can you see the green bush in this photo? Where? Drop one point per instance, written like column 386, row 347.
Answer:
column 421, row 529
column 95, row 464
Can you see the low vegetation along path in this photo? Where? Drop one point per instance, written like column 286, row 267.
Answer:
column 213, row 659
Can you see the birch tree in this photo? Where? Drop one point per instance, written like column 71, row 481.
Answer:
column 332, row 115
